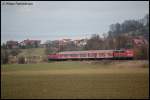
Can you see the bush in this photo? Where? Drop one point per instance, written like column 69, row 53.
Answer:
column 45, row 59
column 4, row 56
column 21, row 60
column 14, row 52
column 141, row 52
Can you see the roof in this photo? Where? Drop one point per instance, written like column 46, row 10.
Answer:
column 30, row 41
column 12, row 42
column 139, row 41
column 76, row 52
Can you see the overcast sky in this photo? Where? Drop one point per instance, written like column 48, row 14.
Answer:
column 49, row 20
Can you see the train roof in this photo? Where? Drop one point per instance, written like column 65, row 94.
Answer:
column 87, row 51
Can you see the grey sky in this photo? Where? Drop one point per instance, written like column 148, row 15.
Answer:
column 50, row 20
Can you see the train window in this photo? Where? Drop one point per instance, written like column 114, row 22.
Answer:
column 109, row 54
column 65, row 55
column 82, row 55
column 101, row 54
column 73, row 55
column 91, row 54
column 116, row 51
column 122, row 51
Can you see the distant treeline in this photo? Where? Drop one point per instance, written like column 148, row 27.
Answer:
column 132, row 27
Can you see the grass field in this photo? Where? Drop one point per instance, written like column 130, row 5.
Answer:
column 74, row 80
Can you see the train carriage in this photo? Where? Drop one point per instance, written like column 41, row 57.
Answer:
column 86, row 54
column 73, row 54
column 92, row 54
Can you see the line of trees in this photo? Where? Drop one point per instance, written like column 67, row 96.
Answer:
column 132, row 27
column 117, row 42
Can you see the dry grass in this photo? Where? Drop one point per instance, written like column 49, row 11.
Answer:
column 74, row 80
column 123, row 63
column 78, row 71
column 133, row 64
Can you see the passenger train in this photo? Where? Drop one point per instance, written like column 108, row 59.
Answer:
column 92, row 55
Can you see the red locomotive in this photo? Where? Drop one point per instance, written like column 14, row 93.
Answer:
column 92, row 55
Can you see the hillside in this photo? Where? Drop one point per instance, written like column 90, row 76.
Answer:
column 33, row 55
column 32, row 52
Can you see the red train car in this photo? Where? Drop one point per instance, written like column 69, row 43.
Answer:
column 86, row 54
column 92, row 54
column 123, row 54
